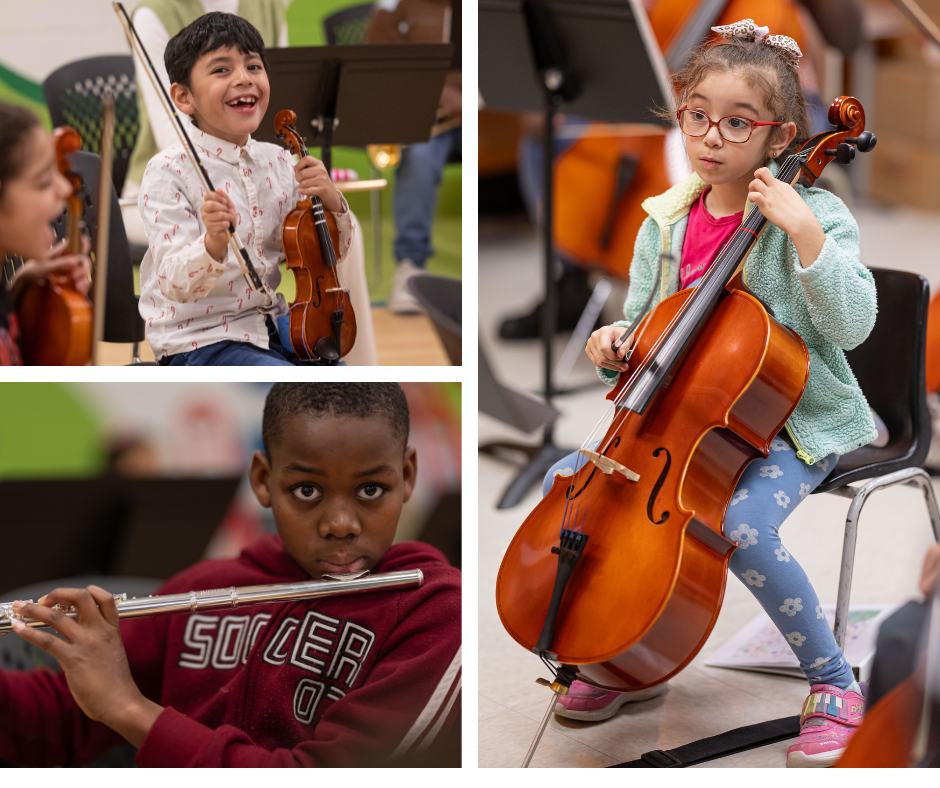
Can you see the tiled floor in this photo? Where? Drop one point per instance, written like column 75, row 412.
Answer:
column 702, row 701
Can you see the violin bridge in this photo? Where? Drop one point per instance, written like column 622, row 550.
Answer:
column 608, row 466
column 335, row 289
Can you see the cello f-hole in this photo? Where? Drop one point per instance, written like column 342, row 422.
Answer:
column 658, row 487
column 613, row 445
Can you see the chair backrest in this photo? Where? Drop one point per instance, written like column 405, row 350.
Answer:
column 890, row 363
column 73, row 94
column 122, row 322
column 349, row 25
column 441, row 298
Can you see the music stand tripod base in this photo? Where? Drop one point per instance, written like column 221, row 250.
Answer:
column 541, row 459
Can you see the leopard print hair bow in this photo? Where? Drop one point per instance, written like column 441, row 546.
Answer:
column 748, row 30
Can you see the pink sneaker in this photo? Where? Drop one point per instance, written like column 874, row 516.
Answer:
column 584, row 702
column 829, row 718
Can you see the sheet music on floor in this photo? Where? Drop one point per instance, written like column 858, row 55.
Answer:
column 761, row 648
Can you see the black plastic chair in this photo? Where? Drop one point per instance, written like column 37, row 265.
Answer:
column 441, row 299
column 122, row 322
column 349, row 25
column 73, row 94
column 890, row 368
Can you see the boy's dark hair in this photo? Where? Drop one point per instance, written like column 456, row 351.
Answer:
column 211, row 31
column 16, row 123
column 359, row 400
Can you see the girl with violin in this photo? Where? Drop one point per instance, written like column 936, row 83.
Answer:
column 198, row 308
column 32, row 196
column 741, row 109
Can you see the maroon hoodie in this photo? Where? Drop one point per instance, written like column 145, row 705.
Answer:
column 337, row 681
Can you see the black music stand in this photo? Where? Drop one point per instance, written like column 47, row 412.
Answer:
column 109, row 525
column 357, row 95
column 593, row 58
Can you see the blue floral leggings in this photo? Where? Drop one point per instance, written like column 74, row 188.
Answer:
column 768, row 492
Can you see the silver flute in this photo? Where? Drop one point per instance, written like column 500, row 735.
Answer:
column 244, row 596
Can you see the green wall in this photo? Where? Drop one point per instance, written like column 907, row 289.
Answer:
column 56, row 435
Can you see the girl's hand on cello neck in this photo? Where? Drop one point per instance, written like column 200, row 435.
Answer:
column 600, row 352
column 779, row 202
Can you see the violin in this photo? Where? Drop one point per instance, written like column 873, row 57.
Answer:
column 322, row 320
column 56, row 319
column 619, row 576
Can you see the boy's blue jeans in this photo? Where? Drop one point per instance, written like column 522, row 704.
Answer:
column 416, row 182
column 769, row 490
column 239, row 354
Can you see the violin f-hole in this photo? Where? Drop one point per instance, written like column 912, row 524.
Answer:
column 658, row 487
column 613, row 445
column 319, row 295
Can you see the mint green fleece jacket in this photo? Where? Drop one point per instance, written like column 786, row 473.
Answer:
column 831, row 305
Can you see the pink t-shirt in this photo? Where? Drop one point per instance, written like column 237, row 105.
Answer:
column 704, row 238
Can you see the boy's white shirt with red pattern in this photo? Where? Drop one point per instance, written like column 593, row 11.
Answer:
column 187, row 299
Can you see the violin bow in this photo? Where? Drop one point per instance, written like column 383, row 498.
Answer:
column 241, row 253
column 105, row 151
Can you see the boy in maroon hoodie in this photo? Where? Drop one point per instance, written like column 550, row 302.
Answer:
column 338, row 681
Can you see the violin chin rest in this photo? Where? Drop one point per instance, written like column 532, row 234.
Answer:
column 326, row 349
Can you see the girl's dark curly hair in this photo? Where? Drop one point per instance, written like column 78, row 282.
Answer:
column 761, row 65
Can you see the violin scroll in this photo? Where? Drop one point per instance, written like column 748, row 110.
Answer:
column 284, row 127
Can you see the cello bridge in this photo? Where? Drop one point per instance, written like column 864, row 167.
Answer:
column 608, row 466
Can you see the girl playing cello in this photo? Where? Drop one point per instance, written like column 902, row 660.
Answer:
column 32, row 195
column 741, row 108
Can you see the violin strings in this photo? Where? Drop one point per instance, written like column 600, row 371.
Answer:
column 325, row 248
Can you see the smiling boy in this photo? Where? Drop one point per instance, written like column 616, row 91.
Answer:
column 197, row 306
column 339, row 681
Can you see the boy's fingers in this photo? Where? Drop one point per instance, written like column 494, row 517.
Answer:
column 43, row 640
column 56, row 619
column 106, row 604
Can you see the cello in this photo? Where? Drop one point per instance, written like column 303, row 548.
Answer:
column 713, row 379
column 322, row 320
column 56, row 319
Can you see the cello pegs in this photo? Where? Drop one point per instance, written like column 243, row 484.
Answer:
column 865, row 141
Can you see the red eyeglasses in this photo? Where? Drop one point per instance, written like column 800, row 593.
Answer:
column 733, row 128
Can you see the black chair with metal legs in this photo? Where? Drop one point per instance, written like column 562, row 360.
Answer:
column 73, row 94
column 890, row 368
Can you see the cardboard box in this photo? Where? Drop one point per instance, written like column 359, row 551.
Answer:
column 906, row 171
column 907, row 100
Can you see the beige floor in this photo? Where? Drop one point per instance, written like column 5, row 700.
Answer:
column 702, row 701
column 400, row 341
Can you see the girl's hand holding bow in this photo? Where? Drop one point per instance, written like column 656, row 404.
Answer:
column 779, row 202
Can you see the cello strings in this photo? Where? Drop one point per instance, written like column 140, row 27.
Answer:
column 735, row 250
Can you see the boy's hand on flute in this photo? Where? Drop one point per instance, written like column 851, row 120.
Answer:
column 92, row 658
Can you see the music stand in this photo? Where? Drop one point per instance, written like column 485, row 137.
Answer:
column 593, row 58
column 109, row 525
column 357, row 95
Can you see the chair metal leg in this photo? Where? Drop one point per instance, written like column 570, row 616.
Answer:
column 859, row 495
